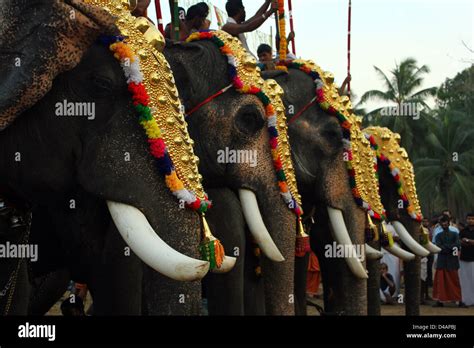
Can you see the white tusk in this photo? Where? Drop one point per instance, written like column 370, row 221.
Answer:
column 432, row 248
column 408, row 240
column 341, row 236
column 371, row 253
column 227, row 265
column 257, row 228
column 400, row 253
column 150, row 248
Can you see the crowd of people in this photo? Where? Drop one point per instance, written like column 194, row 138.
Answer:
column 450, row 273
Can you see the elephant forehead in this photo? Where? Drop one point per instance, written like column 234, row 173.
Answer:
column 395, row 157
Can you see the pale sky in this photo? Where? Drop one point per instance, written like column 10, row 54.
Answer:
column 383, row 32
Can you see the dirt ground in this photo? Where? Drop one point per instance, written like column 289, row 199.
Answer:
column 387, row 310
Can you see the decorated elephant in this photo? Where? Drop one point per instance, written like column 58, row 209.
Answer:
column 96, row 169
column 398, row 192
column 240, row 118
column 319, row 149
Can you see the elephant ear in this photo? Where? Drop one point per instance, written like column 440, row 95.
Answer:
column 40, row 39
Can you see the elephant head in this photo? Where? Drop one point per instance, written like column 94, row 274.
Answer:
column 319, row 146
column 71, row 135
column 398, row 193
column 221, row 118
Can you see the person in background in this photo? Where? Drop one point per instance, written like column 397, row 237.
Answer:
column 141, row 9
column 438, row 229
column 182, row 27
column 289, row 55
column 265, row 57
column 430, row 258
column 194, row 20
column 237, row 25
column 446, row 282
column 466, row 271
column 387, row 285
column 313, row 278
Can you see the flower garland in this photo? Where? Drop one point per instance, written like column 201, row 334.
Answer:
column 269, row 112
column 282, row 26
column 395, row 172
column 210, row 248
column 131, row 67
column 346, row 132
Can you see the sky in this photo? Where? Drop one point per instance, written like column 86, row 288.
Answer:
column 384, row 32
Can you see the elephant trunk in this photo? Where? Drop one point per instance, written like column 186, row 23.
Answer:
column 279, row 276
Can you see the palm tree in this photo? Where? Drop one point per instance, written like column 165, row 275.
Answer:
column 445, row 173
column 400, row 90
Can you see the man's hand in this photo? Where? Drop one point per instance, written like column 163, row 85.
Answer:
column 274, row 7
column 291, row 36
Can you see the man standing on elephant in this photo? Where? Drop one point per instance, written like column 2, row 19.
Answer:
column 237, row 25
column 446, row 282
column 466, row 272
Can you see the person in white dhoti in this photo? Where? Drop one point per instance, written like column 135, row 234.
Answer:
column 466, row 270
column 237, row 25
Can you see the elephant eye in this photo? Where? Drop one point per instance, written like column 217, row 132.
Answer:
column 249, row 120
column 101, row 86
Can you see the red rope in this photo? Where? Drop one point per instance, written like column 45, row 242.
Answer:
column 290, row 9
column 212, row 97
column 159, row 16
column 302, row 111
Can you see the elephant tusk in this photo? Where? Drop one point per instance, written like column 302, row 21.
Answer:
column 408, row 240
column 135, row 229
column 400, row 253
column 257, row 228
column 432, row 248
column 372, row 253
column 227, row 265
column 341, row 236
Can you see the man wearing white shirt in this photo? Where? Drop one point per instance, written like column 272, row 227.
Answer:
column 237, row 25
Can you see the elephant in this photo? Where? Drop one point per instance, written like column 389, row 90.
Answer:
column 403, row 211
column 77, row 170
column 317, row 150
column 241, row 194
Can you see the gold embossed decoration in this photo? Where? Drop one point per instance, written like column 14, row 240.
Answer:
column 144, row 39
column 156, row 100
column 358, row 155
column 391, row 154
column 245, row 77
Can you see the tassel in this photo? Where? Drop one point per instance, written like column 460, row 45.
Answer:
column 387, row 239
column 302, row 241
column 424, row 236
column 211, row 248
column 374, row 229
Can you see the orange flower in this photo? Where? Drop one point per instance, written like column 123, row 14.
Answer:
column 173, row 182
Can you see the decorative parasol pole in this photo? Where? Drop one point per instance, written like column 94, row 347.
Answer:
column 159, row 16
column 292, row 28
column 175, row 18
column 349, row 48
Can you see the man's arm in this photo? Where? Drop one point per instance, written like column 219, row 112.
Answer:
column 260, row 11
column 236, row 29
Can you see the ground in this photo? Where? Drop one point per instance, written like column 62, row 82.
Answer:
column 398, row 309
